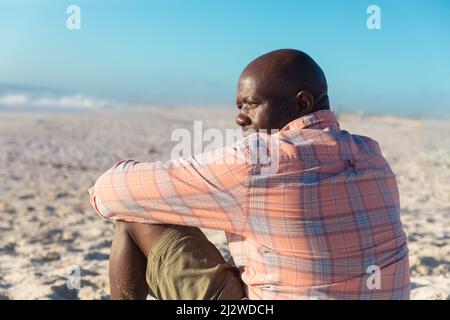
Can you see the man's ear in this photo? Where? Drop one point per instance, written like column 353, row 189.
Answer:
column 305, row 102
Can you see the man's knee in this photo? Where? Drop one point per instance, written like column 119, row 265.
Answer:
column 133, row 228
column 122, row 226
column 142, row 234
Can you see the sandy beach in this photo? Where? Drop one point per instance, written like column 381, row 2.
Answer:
column 49, row 160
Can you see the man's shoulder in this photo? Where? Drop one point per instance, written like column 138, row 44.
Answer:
column 330, row 143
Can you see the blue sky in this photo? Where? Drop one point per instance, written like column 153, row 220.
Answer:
column 192, row 51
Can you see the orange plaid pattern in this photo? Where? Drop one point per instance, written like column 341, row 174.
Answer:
column 311, row 230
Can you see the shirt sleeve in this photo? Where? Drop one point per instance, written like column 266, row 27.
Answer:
column 206, row 191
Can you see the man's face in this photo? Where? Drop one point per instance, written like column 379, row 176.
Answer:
column 254, row 109
column 259, row 108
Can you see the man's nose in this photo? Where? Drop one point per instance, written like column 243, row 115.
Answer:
column 242, row 120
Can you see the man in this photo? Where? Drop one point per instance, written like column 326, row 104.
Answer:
column 325, row 225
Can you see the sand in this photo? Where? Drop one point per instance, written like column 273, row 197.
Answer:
column 49, row 160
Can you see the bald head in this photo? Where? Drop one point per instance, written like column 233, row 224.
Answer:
column 288, row 72
column 278, row 87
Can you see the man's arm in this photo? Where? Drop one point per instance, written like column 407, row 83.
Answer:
column 187, row 191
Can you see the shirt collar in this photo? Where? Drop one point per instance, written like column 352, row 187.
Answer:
column 319, row 117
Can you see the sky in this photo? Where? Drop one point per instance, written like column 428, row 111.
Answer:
column 191, row 52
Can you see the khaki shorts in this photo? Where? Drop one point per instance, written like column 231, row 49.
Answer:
column 184, row 265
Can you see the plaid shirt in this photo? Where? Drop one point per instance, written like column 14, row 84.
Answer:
column 324, row 225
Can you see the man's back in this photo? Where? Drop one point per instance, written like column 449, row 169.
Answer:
column 326, row 224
